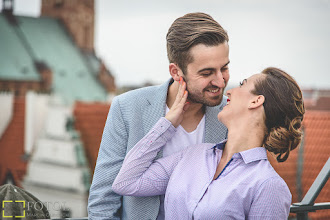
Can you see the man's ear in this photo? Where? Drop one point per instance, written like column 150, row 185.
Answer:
column 257, row 101
column 175, row 71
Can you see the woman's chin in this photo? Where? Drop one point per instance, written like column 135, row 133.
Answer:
column 222, row 118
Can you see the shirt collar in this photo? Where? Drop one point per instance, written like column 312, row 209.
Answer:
column 220, row 145
column 248, row 156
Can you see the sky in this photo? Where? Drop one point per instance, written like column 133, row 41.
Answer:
column 293, row 35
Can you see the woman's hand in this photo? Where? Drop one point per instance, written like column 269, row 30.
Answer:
column 175, row 114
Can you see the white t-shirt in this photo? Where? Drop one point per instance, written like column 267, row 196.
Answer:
column 181, row 140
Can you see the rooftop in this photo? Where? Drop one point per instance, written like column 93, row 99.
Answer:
column 29, row 40
column 90, row 119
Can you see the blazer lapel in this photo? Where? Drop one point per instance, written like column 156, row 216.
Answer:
column 155, row 107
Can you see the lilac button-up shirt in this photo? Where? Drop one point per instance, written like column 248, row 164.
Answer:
column 248, row 187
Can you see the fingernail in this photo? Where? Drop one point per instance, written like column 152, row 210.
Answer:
column 187, row 102
column 185, row 92
column 180, row 79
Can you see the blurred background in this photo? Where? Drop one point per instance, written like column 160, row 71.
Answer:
column 62, row 62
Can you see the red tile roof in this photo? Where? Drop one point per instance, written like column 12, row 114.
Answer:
column 12, row 145
column 316, row 151
column 89, row 121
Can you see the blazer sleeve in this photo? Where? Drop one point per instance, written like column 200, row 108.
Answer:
column 140, row 175
column 103, row 202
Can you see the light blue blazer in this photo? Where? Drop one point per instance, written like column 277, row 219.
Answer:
column 130, row 118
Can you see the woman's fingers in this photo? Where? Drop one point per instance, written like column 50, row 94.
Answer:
column 175, row 115
column 184, row 97
column 181, row 91
column 184, row 103
column 183, row 94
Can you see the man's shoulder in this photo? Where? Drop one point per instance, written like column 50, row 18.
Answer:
column 134, row 96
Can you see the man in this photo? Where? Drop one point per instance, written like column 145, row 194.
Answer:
column 197, row 48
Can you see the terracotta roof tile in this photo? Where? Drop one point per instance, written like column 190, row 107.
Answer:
column 89, row 121
column 12, row 145
column 316, row 151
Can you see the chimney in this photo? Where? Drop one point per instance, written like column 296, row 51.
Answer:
column 8, row 6
column 77, row 16
column 7, row 9
column 46, row 76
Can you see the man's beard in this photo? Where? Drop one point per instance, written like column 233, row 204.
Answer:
column 198, row 97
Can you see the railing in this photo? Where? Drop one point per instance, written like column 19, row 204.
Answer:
column 307, row 204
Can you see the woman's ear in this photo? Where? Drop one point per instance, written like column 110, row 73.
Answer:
column 257, row 101
column 175, row 71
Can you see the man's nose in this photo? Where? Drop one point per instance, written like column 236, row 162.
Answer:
column 218, row 80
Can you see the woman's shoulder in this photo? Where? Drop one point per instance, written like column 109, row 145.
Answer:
column 267, row 175
column 259, row 172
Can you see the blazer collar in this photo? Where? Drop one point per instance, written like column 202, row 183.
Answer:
column 155, row 106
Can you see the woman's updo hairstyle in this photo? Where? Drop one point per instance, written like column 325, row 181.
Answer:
column 284, row 111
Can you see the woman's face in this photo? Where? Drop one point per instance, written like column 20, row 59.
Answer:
column 239, row 100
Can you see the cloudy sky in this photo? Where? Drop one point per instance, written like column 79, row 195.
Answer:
column 293, row 35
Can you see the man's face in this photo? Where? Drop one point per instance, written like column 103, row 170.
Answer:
column 208, row 74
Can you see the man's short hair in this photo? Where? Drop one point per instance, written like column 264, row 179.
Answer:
column 188, row 31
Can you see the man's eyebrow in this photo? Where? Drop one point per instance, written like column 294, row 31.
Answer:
column 206, row 69
column 212, row 69
column 226, row 64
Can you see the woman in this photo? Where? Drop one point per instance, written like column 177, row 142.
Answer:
column 232, row 179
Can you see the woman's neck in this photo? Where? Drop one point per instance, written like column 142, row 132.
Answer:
column 243, row 135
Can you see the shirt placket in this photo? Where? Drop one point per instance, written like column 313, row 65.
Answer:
column 215, row 160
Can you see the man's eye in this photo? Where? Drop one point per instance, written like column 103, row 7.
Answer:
column 240, row 83
column 206, row 74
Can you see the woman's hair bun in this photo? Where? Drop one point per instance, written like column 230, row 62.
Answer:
column 281, row 140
